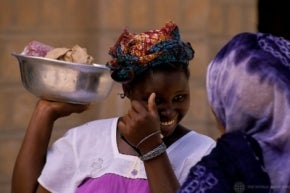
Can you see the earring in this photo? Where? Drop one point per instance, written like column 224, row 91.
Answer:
column 122, row 95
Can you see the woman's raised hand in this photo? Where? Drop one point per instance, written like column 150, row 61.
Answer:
column 140, row 121
column 59, row 109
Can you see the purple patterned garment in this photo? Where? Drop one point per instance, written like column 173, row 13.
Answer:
column 248, row 85
column 235, row 165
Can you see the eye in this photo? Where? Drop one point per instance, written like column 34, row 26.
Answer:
column 179, row 98
column 157, row 100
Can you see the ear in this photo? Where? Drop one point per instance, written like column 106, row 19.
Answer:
column 126, row 90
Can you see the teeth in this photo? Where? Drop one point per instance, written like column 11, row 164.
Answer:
column 167, row 123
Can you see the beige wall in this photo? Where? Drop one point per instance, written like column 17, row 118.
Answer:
column 96, row 24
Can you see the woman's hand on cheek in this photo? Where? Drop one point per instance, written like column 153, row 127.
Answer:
column 140, row 121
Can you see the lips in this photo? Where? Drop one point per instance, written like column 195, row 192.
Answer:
column 168, row 123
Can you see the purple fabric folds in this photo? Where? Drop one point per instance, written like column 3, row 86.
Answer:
column 248, row 90
column 112, row 183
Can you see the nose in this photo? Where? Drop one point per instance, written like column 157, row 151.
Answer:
column 166, row 109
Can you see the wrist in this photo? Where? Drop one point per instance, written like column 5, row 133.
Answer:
column 156, row 152
column 150, row 144
column 46, row 110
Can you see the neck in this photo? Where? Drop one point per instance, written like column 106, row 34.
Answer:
column 179, row 132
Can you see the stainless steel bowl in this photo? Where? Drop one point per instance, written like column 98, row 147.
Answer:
column 64, row 81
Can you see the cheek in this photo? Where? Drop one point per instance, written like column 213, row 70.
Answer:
column 184, row 107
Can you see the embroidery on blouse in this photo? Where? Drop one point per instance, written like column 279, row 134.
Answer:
column 97, row 165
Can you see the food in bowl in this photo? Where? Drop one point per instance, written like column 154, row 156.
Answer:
column 60, row 80
column 36, row 48
column 76, row 54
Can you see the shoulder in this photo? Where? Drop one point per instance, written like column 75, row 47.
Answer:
column 198, row 144
column 193, row 144
column 92, row 131
column 188, row 150
column 87, row 137
column 198, row 138
column 100, row 125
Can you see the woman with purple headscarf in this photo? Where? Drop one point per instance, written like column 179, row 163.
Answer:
column 249, row 93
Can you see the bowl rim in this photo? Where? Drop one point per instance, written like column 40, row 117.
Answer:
column 82, row 65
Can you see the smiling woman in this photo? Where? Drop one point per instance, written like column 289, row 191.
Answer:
column 146, row 150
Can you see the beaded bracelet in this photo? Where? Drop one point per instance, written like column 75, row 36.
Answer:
column 154, row 152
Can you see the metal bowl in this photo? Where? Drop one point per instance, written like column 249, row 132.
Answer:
column 58, row 80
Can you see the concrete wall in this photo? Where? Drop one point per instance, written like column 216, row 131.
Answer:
column 96, row 24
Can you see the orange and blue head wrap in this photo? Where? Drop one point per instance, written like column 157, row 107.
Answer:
column 133, row 53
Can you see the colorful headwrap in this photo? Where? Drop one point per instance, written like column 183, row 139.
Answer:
column 136, row 53
column 248, row 85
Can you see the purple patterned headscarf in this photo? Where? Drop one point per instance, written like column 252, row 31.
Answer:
column 135, row 53
column 248, row 85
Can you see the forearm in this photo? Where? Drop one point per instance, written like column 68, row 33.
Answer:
column 160, row 175
column 159, row 171
column 32, row 155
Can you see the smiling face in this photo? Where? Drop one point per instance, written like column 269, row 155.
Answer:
column 172, row 96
